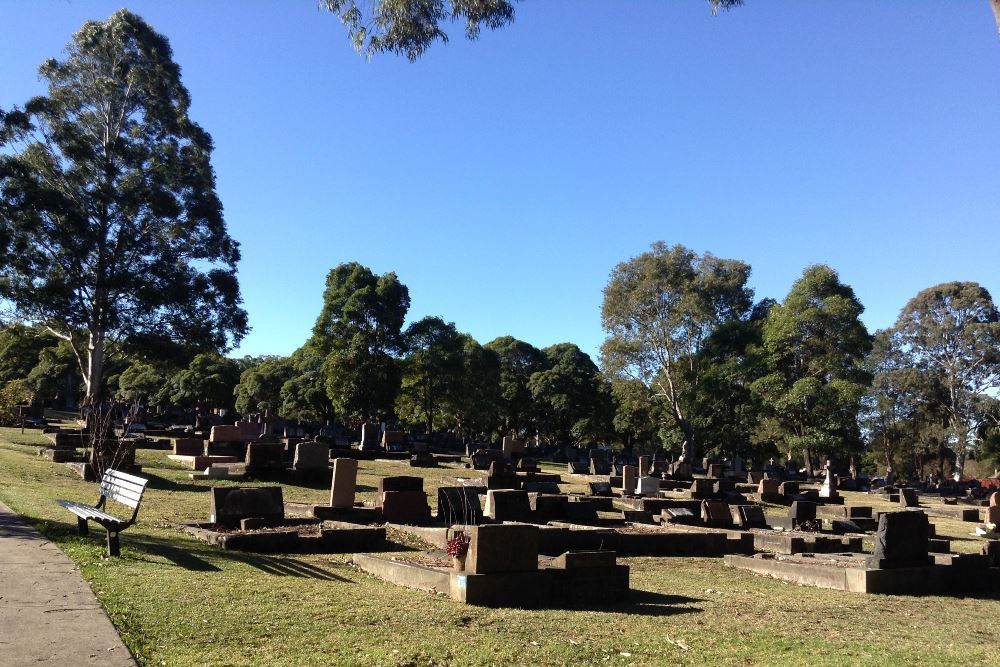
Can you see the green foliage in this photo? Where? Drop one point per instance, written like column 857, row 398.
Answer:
column 571, row 400
column 303, row 397
column 518, row 362
column 207, row 382
column 432, row 373
column 13, row 394
column 813, row 346
column 20, row 347
column 410, row 27
column 260, row 385
column 659, row 310
column 951, row 332
column 359, row 333
column 142, row 383
column 114, row 233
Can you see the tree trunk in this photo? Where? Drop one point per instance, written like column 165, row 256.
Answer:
column 996, row 12
column 807, row 459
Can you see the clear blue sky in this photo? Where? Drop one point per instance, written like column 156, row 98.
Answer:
column 503, row 179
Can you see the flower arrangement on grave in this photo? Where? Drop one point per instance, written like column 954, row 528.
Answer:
column 458, row 546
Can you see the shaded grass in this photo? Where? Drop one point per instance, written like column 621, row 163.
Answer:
column 179, row 601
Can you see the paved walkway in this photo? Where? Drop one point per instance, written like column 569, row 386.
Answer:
column 48, row 613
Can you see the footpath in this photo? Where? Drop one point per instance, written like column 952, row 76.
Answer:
column 48, row 613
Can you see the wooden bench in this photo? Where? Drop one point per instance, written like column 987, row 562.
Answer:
column 120, row 487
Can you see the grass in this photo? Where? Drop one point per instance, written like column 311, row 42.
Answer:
column 178, row 601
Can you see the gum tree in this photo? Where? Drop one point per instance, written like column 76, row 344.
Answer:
column 111, row 232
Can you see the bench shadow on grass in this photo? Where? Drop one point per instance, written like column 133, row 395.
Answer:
column 645, row 603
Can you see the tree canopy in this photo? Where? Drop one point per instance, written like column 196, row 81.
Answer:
column 111, row 232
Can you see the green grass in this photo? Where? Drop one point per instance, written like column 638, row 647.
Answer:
column 178, row 601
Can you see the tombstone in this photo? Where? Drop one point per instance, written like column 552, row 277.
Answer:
column 599, row 462
column 602, row 489
column 264, row 455
column 311, row 457
column 248, row 430
column 993, row 510
column 748, row 516
column 576, row 467
column 499, row 477
column 901, row 541
column 754, row 477
column 224, row 434
column 716, row 513
column 702, row 488
column 714, row 470
column 508, row 505
column 369, row 436
column 344, row 482
column 648, row 486
column 738, row 466
column 645, row 464
column 407, row 483
column 459, row 505
column 423, row 460
column 483, row 458
column 638, row 516
column 394, row 441
column 789, row 489
column 908, row 497
column 551, row 488
column 231, row 504
column 680, row 515
column 628, row 479
column 189, row 447
column 512, row 447
column 408, row 507
column 525, row 464
column 829, row 488
column 801, row 511
column 502, row 548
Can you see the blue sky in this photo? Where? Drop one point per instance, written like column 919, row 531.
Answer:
column 503, row 179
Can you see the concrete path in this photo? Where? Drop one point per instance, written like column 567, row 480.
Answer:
column 48, row 613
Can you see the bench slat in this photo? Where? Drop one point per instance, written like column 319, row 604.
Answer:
column 123, row 483
column 88, row 512
column 116, row 492
column 125, row 477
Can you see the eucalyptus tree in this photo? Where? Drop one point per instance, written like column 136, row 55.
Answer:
column 518, row 362
column 571, row 400
column 359, row 333
column 259, row 388
column 410, row 27
column 659, row 310
column 814, row 345
column 111, row 231
column 432, row 371
column 952, row 331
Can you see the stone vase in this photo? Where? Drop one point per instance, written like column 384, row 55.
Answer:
column 458, row 563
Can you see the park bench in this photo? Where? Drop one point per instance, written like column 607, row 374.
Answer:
column 120, row 487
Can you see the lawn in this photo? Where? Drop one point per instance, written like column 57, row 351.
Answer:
column 178, row 601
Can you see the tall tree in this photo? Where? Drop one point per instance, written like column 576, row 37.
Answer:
column 953, row 330
column 359, row 333
column 207, row 382
column 518, row 361
column 570, row 399
column 259, row 388
column 477, row 402
column 303, row 397
column 410, row 27
column 814, row 344
column 107, row 201
column 432, row 370
column 659, row 310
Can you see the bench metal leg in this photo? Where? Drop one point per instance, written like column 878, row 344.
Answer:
column 113, row 549
column 81, row 526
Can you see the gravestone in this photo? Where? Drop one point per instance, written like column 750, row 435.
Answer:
column 600, row 489
column 702, row 488
column 714, row 470
column 993, row 510
column 483, row 458
column 542, row 487
column 716, row 513
column 512, row 447
column 829, row 488
column 645, row 464
column 628, row 479
column 344, row 482
column 578, row 467
column 755, row 476
column 189, row 447
column 749, row 516
column 369, row 436
column 802, row 510
column 788, row 489
column 600, row 464
column 230, row 505
column 499, row 477
column 408, row 507
column 394, row 441
column 648, row 486
column 224, row 434
column 264, row 455
column 502, row 548
column 248, row 431
column 901, row 541
column 311, row 457
column 459, row 505
column 407, row 483
column 908, row 497
column 508, row 505
column 681, row 515
column 638, row 516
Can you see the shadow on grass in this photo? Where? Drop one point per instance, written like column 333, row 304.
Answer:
column 645, row 603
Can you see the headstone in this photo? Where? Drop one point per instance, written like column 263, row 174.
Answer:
column 249, row 431
column 802, row 510
column 189, row 447
column 459, row 505
column 645, row 464
column 908, row 497
column 600, row 464
column 755, row 476
column 512, row 447
column 231, row 504
column 788, row 489
column 702, row 488
column 369, row 436
column 508, row 505
column 680, row 515
column 407, row 483
column 993, row 514
column 901, row 541
column 542, row 487
column 344, row 483
column 311, row 456
column 578, row 467
column 638, row 516
column 829, row 488
column 224, row 434
column 714, row 470
column 483, row 458
column 648, row 486
column 748, row 516
column 600, row 489
column 502, row 548
column 264, row 455
column 628, row 479
column 716, row 513
column 408, row 507
column 394, row 441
